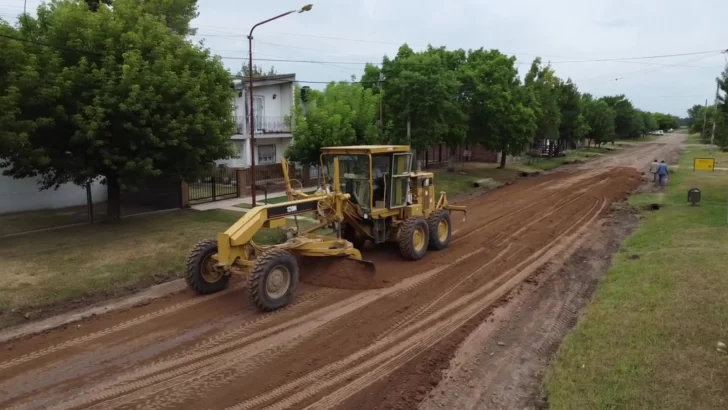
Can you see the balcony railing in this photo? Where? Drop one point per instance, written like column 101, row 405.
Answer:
column 263, row 125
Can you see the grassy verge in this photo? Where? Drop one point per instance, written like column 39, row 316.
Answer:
column 48, row 218
column 76, row 263
column 648, row 339
column 461, row 180
column 579, row 155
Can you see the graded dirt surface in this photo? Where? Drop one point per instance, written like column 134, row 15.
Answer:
column 380, row 344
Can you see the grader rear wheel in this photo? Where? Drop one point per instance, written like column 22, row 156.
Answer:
column 412, row 238
column 201, row 274
column 440, row 229
column 273, row 279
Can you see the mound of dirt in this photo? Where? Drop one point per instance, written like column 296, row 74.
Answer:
column 339, row 273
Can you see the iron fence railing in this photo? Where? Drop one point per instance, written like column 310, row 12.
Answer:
column 263, row 125
column 218, row 183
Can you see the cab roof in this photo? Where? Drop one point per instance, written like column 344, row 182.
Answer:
column 371, row 149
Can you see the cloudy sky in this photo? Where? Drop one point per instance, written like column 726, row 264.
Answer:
column 341, row 35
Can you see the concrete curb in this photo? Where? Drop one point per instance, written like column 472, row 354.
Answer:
column 141, row 298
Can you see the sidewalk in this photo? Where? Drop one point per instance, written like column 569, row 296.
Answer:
column 229, row 204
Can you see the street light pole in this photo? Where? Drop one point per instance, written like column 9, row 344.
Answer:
column 250, row 77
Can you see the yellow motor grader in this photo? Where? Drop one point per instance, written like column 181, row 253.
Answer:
column 366, row 193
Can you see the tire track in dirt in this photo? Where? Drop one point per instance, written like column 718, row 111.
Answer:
column 355, row 356
column 283, row 333
column 205, row 348
column 117, row 328
column 227, row 374
column 433, row 299
column 417, row 337
column 227, row 359
column 423, row 309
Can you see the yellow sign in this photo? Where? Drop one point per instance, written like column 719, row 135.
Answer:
column 704, row 164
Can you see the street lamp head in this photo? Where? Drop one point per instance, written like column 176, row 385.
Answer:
column 307, row 7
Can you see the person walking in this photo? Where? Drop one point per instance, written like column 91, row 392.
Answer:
column 653, row 171
column 662, row 172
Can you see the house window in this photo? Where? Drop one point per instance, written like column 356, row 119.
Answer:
column 266, row 154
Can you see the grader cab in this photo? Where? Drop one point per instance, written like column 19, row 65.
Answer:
column 366, row 193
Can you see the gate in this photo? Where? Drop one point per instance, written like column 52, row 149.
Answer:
column 219, row 183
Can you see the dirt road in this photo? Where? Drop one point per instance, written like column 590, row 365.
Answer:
column 345, row 348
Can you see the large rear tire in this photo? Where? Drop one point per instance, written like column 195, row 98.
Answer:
column 201, row 274
column 413, row 237
column 440, row 229
column 273, row 279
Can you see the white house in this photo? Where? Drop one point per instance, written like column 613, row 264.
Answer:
column 272, row 98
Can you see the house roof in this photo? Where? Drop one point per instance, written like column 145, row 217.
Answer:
column 268, row 79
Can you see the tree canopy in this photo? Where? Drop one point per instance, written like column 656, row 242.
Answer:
column 501, row 115
column 341, row 114
column 258, row 71
column 455, row 97
column 117, row 93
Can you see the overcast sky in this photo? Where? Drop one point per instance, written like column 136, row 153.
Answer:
column 348, row 33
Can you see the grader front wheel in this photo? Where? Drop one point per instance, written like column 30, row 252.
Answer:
column 201, row 274
column 413, row 237
column 440, row 229
column 273, row 279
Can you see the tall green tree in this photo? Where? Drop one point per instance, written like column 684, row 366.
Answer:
column 572, row 120
column 115, row 94
column 601, row 119
column 649, row 120
column 624, row 120
column 341, row 114
column 665, row 121
column 420, row 94
column 694, row 114
column 502, row 117
column 546, row 86
column 639, row 128
column 721, row 114
column 455, row 111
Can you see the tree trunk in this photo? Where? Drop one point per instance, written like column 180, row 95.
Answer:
column 502, row 160
column 113, row 202
column 451, row 159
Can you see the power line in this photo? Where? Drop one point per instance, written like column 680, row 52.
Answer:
column 303, row 35
column 552, row 62
column 617, row 77
column 639, row 58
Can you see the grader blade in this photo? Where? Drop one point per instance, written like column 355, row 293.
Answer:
column 368, row 267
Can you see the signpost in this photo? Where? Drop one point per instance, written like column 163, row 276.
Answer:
column 704, row 164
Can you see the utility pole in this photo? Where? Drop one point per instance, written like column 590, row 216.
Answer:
column 250, row 77
column 705, row 120
column 381, row 104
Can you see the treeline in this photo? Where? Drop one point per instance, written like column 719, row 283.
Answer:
column 711, row 122
column 457, row 97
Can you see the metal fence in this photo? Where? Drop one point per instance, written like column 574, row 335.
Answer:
column 219, row 183
column 437, row 156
